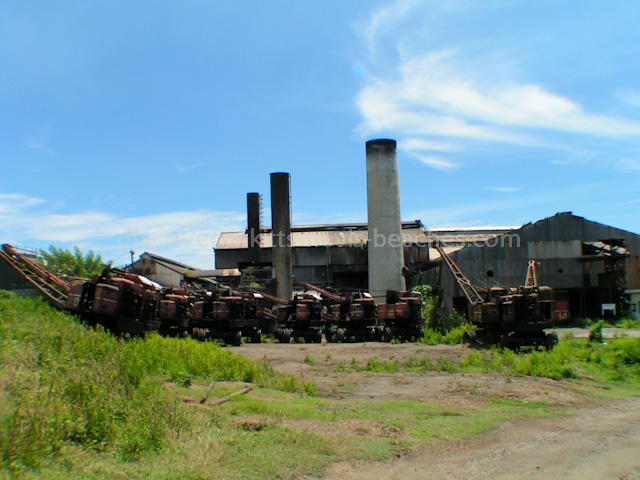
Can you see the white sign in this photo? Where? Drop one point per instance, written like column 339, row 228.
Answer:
column 609, row 307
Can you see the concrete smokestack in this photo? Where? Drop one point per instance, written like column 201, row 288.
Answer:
column 386, row 255
column 253, row 227
column 281, row 233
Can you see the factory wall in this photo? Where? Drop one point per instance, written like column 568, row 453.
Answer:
column 156, row 272
column 336, row 265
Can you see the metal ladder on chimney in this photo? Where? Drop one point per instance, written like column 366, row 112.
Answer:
column 54, row 289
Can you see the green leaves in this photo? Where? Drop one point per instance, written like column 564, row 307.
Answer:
column 72, row 263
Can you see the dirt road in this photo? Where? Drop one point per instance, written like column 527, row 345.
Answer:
column 598, row 439
column 594, row 444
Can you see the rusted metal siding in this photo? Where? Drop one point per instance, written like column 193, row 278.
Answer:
column 347, row 256
column 416, row 254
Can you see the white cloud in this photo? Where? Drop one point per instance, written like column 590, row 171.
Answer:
column 434, row 97
column 437, row 162
column 15, row 201
column 381, row 20
column 427, row 92
column 187, row 236
column 629, row 96
column 185, row 168
column 421, row 144
column 39, row 140
column 503, row 189
column 629, row 164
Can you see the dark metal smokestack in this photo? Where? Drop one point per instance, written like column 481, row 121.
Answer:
column 253, row 227
column 281, row 233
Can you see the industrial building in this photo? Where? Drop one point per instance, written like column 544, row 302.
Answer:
column 594, row 266
column 170, row 273
column 590, row 264
column 336, row 254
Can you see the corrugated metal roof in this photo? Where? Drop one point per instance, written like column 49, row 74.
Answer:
column 218, row 272
column 325, row 236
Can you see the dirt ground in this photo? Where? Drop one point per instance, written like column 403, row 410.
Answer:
column 599, row 439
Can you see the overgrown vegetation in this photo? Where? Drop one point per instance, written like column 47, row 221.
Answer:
column 66, row 386
column 440, row 328
column 80, row 403
column 617, row 360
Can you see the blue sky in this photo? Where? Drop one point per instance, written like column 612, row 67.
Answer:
column 138, row 125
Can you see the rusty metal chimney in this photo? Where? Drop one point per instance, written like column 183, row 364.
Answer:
column 385, row 247
column 253, row 227
column 281, row 233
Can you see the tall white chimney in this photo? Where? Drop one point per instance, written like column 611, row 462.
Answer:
column 386, row 254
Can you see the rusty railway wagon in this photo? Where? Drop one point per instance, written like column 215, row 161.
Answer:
column 347, row 318
column 400, row 317
column 304, row 317
column 230, row 315
column 126, row 303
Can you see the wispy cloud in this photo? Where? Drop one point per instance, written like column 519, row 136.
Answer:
column 188, row 236
column 630, row 202
column 434, row 97
column 39, row 140
column 503, row 189
column 382, row 20
column 629, row 164
column 185, row 168
column 437, row 162
column 629, row 96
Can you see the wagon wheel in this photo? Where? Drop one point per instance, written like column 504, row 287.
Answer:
column 237, row 338
column 469, row 337
column 387, row 335
column 318, row 336
column 340, row 334
column 371, row 334
column 256, row 337
column 286, row 335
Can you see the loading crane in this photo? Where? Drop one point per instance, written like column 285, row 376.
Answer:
column 52, row 288
column 510, row 317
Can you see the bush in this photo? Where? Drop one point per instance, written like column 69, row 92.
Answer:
column 65, row 384
column 595, row 334
column 629, row 323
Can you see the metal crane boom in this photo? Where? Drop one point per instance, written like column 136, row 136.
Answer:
column 469, row 290
column 324, row 293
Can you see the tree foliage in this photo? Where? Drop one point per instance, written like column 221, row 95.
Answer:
column 430, row 302
column 73, row 263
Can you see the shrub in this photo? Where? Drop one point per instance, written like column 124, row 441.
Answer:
column 595, row 334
